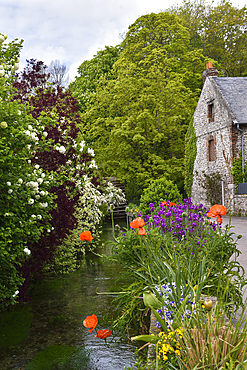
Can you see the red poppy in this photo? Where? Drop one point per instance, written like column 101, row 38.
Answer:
column 141, row 231
column 168, row 204
column 138, row 222
column 91, row 322
column 217, row 211
column 86, row 235
column 102, row 334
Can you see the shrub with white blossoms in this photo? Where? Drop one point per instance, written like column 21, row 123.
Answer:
column 113, row 195
column 22, row 189
column 90, row 212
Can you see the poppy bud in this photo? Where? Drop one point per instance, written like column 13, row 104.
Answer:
column 150, row 300
column 208, row 305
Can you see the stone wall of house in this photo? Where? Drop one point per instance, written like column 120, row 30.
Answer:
column 220, row 131
column 236, row 204
column 218, row 142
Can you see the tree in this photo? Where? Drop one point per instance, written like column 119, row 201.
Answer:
column 58, row 73
column 92, row 73
column 219, row 30
column 137, row 121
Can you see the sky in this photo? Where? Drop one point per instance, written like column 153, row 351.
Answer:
column 72, row 31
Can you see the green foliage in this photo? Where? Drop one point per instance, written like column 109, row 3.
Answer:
column 9, row 56
column 212, row 341
column 158, row 191
column 92, row 73
column 219, row 30
column 138, row 120
column 24, row 197
column 212, row 184
column 189, row 157
column 14, row 326
column 237, row 170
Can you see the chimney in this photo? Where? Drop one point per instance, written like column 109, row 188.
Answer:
column 209, row 71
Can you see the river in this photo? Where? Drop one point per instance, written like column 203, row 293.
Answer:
column 47, row 332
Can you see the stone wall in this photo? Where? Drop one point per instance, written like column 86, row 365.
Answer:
column 236, row 204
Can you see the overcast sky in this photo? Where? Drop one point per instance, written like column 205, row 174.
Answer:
column 73, row 30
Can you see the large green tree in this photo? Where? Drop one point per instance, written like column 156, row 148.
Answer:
column 221, row 31
column 137, row 121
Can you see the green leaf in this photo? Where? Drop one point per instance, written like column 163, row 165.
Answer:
column 147, row 338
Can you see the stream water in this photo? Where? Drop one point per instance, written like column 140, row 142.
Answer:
column 47, row 333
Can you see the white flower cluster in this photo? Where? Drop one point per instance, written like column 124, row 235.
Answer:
column 61, row 149
column 92, row 199
column 16, row 293
column 90, row 151
column 82, row 144
column 90, row 202
column 27, row 251
column 93, row 164
column 32, row 133
column 114, row 195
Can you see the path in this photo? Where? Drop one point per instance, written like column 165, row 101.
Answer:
column 240, row 228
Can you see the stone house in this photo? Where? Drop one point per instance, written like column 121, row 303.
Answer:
column 220, row 122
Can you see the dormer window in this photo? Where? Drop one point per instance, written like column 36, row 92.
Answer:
column 211, row 112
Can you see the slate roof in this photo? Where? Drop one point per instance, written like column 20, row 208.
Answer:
column 234, row 90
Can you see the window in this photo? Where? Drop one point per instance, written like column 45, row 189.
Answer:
column 211, row 112
column 211, row 150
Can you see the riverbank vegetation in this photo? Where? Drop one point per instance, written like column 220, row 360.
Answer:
column 179, row 262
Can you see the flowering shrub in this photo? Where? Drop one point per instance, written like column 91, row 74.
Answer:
column 44, row 168
column 25, row 198
column 89, row 213
column 76, row 196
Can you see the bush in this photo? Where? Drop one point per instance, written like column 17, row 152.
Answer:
column 25, row 197
column 158, row 191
